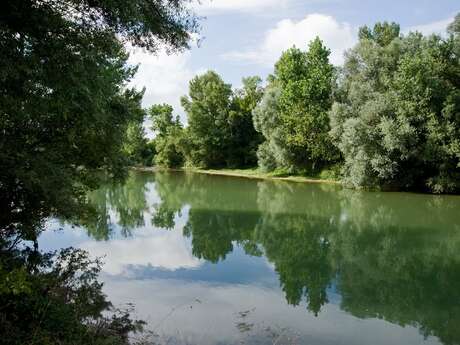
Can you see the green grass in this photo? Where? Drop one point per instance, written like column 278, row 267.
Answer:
column 325, row 176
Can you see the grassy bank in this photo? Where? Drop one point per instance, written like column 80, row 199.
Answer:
column 254, row 173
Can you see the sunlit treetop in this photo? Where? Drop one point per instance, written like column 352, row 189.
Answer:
column 382, row 33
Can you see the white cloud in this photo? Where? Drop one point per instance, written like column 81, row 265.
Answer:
column 212, row 6
column 438, row 27
column 337, row 36
column 164, row 76
column 161, row 249
column 208, row 314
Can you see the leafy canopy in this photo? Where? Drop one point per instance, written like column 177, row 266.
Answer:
column 67, row 119
column 64, row 105
column 208, row 110
column 244, row 138
column 169, row 136
column 398, row 124
column 298, row 101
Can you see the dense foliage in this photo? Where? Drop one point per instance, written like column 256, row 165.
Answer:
column 169, row 140
column 244, row 138
column 136, row 147
column 57, row 299
column 63, row 102
column 397, row 123
column 293, row 117
column 67, row 119
column 220, row 130
column 208, row 111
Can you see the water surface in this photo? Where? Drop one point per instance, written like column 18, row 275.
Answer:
column 222, row 260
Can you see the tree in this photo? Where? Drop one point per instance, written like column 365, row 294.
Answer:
column 398, row 124
column 244, row 138
column 208, row 111
column 272, row 152
column 381, row 33
column 170, row 136
column 135, row 143
column 162, row 119
column 454, row 27
column 221, row 131
column 65, row 116
column 63, row 102
column 304, row 83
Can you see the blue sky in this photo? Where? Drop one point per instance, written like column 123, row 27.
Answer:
column 245, row 37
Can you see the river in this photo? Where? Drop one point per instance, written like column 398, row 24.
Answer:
column 225, row 260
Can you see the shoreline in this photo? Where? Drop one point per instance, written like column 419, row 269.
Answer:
column 244, row 173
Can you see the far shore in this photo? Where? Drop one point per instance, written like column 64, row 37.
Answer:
column 245, row 173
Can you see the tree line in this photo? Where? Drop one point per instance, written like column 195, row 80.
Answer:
column 388, row 118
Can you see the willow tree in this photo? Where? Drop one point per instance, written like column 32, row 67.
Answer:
column 398, row 124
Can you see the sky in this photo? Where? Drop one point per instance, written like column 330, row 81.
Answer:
column 241, row 38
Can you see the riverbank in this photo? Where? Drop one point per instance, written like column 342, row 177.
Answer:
column 249, row 173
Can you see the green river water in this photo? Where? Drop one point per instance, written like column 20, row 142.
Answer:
column 224, row 260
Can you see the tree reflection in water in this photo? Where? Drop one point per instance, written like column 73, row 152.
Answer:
column 390, row 256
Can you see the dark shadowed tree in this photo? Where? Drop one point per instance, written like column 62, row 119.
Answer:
column 135, row 143
column 65, row 115
column 64, row 107
column 169, row 139
column 244, row 138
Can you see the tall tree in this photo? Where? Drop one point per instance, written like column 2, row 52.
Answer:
column 244, row 138
column 208, row 110
column 272, row 153
column 64, row 115
column 399, row 124
column 64, row 107
column 304, row 81
column 169, row 136
column 135, row 143
column 382, row 33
